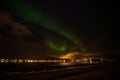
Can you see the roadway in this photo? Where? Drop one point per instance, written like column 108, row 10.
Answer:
column 94, row 72
column 109, row 73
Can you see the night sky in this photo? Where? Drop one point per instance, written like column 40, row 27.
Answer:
column 54, row 27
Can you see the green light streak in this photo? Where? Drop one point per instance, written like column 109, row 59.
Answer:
column 56, row 47
column 32, row 14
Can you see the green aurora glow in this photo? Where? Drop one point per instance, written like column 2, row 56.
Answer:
column 56, row 47
column 35, row 16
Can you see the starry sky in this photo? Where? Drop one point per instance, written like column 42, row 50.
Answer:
column 54, row 27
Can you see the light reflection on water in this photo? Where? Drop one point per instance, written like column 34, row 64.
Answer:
column 65, row 64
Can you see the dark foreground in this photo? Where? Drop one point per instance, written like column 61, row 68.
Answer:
column 109, row 73
column 90, row 72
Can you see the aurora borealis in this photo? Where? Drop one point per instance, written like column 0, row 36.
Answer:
column 32, row 14
column 57, row 26
column 56, row 47
column 36, row 16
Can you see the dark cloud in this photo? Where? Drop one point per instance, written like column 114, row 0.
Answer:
column 11, row 27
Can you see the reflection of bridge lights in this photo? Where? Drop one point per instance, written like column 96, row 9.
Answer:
column 66, row 64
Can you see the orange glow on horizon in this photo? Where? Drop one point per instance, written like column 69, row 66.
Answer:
column 69, row 55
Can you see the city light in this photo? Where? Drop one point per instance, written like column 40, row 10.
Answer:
column 32, row 61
